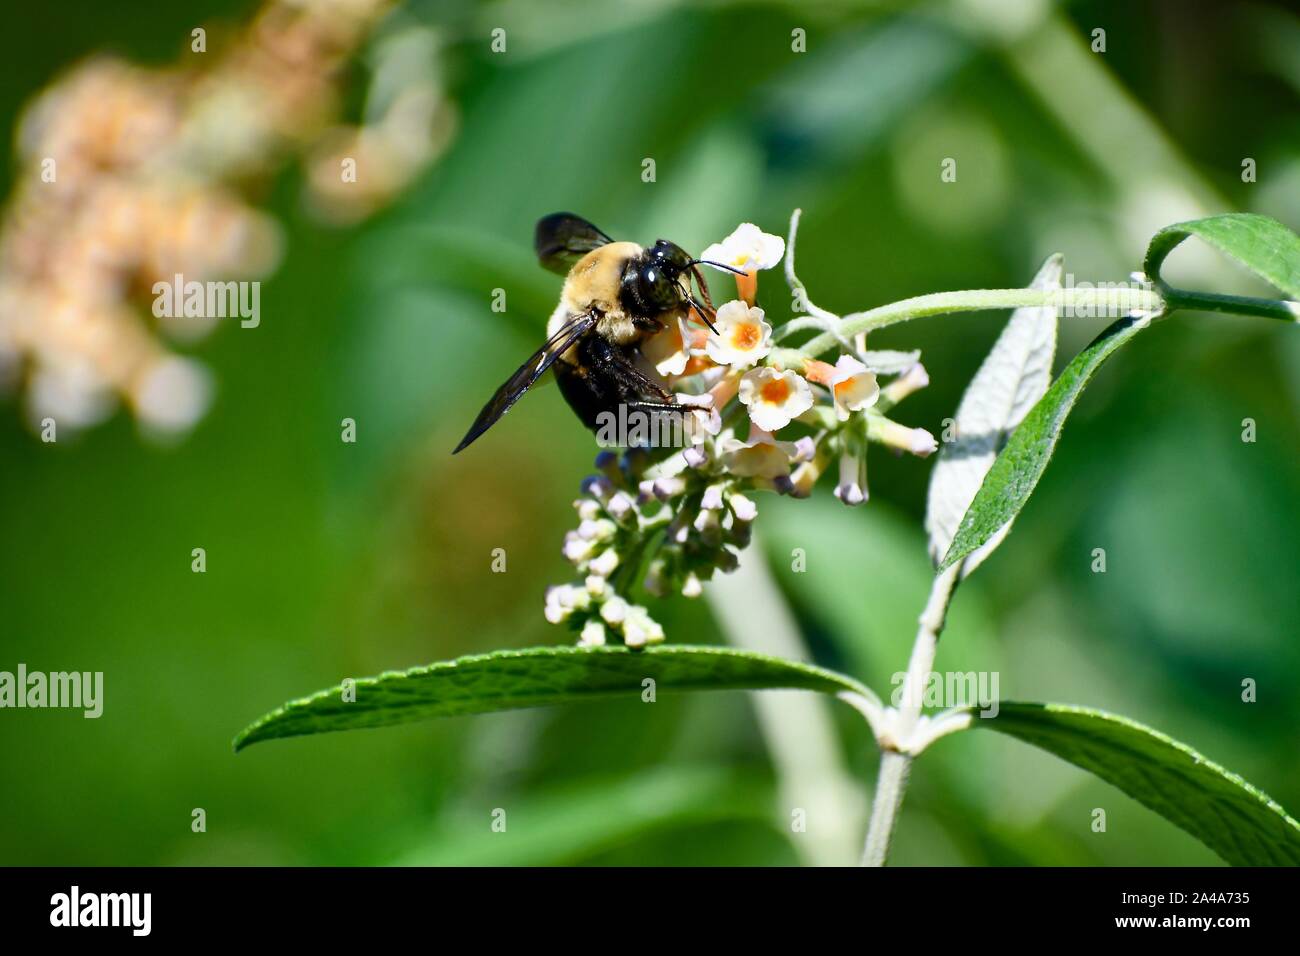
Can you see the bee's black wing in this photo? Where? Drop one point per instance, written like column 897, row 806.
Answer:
column 527, row 374
column 563, row 238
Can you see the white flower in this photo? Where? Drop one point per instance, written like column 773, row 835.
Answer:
column 604, row 563
column 668, row 351
column 598, row 487
column 666, row 489
column 774, row 398
column 596, row 529
column 614, row 611
column 593, row 634
column 712, row 499
column 620, row 505
column 701, row 419
column 577, row 548
column 744, row 508
column 743, row 337
column 852, row 386
column 852, row 487
column 640, row 629
column 918, row 441
column 563, row 600
column 748, row 248
column 706, row 522
column 555, row 612
column 760, row 457
column 923, row 443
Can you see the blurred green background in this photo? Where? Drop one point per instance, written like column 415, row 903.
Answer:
column 328, row 560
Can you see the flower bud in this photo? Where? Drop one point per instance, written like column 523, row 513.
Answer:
column 597, row 486
column 593, row 634
column 604, row 563
column 666, row 489
column 614, row 611
column 916, row 441
column 576, row 548
column 620, row 505
column 744, row 508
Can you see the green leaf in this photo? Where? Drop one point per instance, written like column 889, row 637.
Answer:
column 1263, row 245
column 536, row 677
column 1224, row 812
column 1022, row 462
column 1013, row 377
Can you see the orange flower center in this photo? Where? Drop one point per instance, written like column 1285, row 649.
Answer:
column 775, row 392
column 746, row 336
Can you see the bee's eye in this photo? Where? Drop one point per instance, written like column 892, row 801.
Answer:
column 671, row 257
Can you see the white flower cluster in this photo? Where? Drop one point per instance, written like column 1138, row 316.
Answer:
column 602, row 611
column 696, row 516
column 705, row 535
column 686, row 514
column 609, row 526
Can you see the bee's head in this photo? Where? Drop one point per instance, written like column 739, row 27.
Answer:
column 653, row 279
column 653, row 282
column 671, row 258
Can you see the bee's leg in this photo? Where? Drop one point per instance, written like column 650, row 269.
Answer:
column 668, row 410
column 658, row 406
column 648, row 325
column 622, row 369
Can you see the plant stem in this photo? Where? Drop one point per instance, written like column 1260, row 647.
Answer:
column 1083, row 300
column 1282, row 309
column 978, row 300
column 891, row 784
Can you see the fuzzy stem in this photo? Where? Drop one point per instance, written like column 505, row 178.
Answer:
column 1085, row 300
column 891, row 784
column 974, row 300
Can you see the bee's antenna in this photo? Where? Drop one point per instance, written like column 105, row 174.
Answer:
column 717, row 265
column 703, row 287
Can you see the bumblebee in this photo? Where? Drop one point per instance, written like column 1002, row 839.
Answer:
column 616, row 296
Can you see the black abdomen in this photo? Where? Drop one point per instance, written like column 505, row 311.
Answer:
column 600, row 383
column 590, row 389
